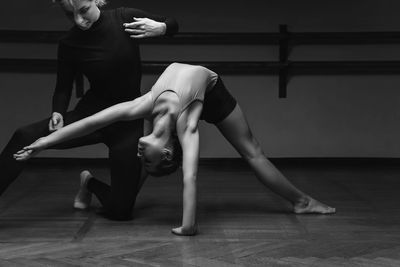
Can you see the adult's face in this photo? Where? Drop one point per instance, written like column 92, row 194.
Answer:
column 81, row 12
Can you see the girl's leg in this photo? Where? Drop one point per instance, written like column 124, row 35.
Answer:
column 236, row 130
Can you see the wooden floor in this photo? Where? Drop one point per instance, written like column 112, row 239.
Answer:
column 241, row 223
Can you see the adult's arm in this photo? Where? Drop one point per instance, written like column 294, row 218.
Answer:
column 141, row 24
column 66, row 71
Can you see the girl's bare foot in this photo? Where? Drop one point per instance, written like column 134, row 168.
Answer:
column 84, row 196
column 310, row 205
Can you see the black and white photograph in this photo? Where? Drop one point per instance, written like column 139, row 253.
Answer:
column 200, row 133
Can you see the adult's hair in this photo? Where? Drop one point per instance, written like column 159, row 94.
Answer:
column 99, row 3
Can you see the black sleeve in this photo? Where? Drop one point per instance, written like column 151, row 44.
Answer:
column 66, row 72
column 129, row 13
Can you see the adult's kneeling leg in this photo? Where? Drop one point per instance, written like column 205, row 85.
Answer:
column 125, row 169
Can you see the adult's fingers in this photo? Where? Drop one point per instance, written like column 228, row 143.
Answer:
column 51, row 126
column 132, row 31
column 135, row 24
column 138, row 36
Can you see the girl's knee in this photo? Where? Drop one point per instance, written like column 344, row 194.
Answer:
column 254, row 155
column 252, row 151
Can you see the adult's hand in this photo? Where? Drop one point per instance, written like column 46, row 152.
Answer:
column 145, row 27
column 56, row 122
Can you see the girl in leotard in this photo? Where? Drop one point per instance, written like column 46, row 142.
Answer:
column 182, row 96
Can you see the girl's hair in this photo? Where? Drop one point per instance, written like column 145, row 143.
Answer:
column 170, row 164
column 99, row 3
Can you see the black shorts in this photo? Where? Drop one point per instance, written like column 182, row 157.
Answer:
column 218, row 103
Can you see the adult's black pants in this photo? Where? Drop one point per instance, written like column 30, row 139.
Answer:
column 121, row 138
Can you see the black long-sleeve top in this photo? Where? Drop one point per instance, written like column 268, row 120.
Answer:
column 106, row 55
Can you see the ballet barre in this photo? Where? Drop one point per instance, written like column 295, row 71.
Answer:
column 284, row 68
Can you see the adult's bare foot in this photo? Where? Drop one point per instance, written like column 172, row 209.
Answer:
column 185, row 231
column 84, row 196
column 311, row 205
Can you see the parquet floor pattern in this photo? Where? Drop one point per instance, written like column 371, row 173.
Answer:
column 240, row 222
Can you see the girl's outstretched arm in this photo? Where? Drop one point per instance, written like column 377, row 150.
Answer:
column 130, row 110
column 188, row 135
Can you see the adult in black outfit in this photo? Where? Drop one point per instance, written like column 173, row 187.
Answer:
column 99, row 45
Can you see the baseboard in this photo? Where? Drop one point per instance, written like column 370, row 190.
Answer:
column 236, row 162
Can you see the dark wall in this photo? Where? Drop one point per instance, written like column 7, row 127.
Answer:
column 224, row 15
column 323, row 116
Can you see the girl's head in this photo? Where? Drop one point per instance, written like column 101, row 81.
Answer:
column 160, row 157
column 82, row 12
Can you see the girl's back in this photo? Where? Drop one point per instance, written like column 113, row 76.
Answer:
column 189, row 82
